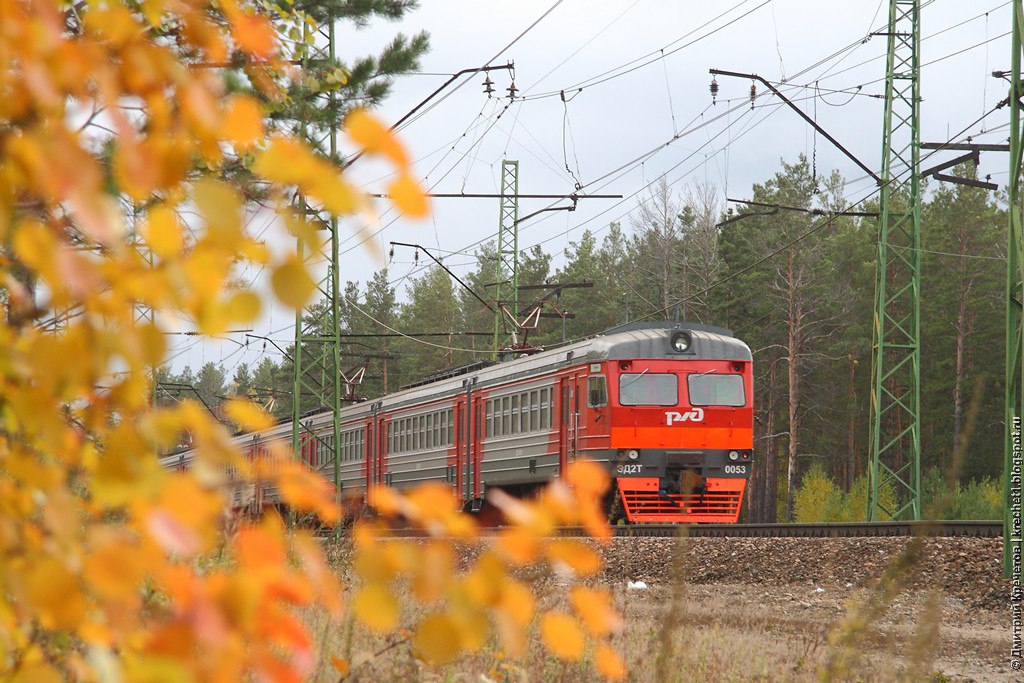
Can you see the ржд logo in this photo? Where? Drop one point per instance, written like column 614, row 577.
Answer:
column 692, row 415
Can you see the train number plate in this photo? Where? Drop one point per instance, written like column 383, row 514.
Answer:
column 634, row 468
column 740, row 470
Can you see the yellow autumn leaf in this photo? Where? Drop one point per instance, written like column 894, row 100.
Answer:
column 574, row 555
column 243, row 121
column 292, row 284
column 244, row 307
column 55, row 593
column 248, row 415
column 162, row 232
column 562, row 636
column 221, row 206
column 368, row 132
column 376, row 607
column 409, row 197
column 609, row 663
column 437, row 639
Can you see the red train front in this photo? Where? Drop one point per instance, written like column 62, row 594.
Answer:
column 671, row 411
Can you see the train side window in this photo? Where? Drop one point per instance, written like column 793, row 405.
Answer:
column 451, row 427
column 430, row 430
column 534, row 411
column 489, row 420
column 545, row 405
column 597, row 391
column 506, row 415
column 515, row 413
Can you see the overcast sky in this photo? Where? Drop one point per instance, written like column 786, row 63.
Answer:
column 635, row 75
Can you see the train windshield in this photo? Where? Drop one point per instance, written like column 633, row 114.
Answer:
column 646, row 389
column 716, row 390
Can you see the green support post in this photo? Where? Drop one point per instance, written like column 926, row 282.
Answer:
column 507, row 269
column 895, row 445
column 317, row 352
column 1014, row 298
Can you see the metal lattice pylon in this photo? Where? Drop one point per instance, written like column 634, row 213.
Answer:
column 507, row 270
column 317, row 352
column 1014, row 298
column 895, row 447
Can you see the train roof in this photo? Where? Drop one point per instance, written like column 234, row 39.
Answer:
column 645, row 341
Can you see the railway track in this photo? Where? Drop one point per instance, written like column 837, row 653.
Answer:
column 970, row 528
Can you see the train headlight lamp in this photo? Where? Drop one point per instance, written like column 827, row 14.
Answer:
column 681, row 342
column 632, row 454
column 734, row 455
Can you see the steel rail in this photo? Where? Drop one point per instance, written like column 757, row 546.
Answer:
column 942, row 528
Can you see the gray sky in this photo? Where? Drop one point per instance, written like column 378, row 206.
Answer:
column 643, row 69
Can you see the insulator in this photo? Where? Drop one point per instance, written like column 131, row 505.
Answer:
column 512, row 90
column 753, row 94
column 714, row 90
column 391, row 254
column 416, row 256
column 488, row 86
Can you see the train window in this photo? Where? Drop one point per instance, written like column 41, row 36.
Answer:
column 534, row 411
column 545, row 408
column 648, row 389
column 716, row 390
column 516, row 404
column 506, row 415
column 451, row 427
column 489, row 420
column 597, row 391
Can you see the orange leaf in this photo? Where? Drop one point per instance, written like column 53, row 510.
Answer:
column 574, row 555
column 243, row 121
column 562, row 636
column 369, row 133
column 609, row 663
column 594, row 607
column 588, row 478
column 409, row 197
column 254, row 34
column 340, row 665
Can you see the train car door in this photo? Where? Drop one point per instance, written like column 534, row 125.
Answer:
column 383, row 473
column 570, row 391
column 467, row 451
column 372, row 470
column 479, row 422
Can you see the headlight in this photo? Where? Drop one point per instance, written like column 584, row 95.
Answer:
column 734, row 455
column 632, row 454
column 681, row 342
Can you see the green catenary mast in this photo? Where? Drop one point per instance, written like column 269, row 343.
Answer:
column 317, row 367
column 895, row 445
column 1014, row 298
column 507, row 270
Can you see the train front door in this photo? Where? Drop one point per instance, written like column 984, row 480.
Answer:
column 570, row 390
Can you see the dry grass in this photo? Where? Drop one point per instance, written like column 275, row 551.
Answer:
column 729, row 632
